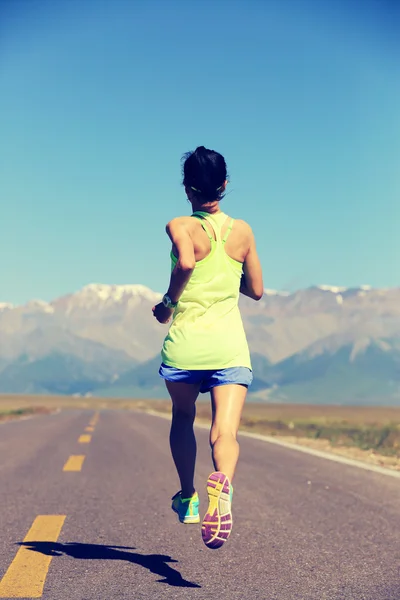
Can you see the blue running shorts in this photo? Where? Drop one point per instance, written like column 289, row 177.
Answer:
column 208, row 378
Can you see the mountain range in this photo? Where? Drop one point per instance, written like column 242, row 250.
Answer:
column 322, row 344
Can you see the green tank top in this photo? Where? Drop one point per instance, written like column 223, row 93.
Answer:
column 207, row 330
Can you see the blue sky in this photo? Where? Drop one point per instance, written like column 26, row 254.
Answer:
column 99, row 100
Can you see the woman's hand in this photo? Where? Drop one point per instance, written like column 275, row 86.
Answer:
column 162, row 313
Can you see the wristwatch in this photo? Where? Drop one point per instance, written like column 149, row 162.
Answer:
column 168, row 302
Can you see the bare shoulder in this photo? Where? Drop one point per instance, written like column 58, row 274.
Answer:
column 178, row 224
column 243, row 227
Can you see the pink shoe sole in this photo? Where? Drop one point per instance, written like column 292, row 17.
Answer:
column 217, row 523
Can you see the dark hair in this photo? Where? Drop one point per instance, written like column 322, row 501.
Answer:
column 204, row 172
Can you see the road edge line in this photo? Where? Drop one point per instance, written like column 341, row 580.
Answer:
column 351, row 462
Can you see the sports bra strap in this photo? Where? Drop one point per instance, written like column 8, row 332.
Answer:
column 227, row 232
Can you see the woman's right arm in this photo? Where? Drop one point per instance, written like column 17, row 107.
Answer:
column 252, row 281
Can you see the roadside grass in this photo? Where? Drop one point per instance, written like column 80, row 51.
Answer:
column 366, row 428
column 384, row 439
column 8, row 414
column 10, row 402
column 375, row 429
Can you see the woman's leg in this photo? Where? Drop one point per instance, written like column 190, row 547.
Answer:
column 182, row 438
column 227, row 405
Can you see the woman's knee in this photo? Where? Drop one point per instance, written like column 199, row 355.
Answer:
column 183, row 411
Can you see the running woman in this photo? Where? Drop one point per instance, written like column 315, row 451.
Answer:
column 213, row 259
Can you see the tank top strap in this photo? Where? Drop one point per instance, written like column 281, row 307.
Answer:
column 216, row 222
column 200, row 216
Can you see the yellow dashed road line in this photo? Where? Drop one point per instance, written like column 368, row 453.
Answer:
column 74, row 463
column 93, row 421
column 26, row 575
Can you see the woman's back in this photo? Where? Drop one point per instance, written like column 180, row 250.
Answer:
column 237, row 243
column 207, row 330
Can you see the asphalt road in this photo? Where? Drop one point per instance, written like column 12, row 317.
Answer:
column 304, row 527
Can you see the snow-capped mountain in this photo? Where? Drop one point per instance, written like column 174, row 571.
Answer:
column 5, row 306
column 268, row 292
column 116, row 316
column 101, row 297
column 113, row 325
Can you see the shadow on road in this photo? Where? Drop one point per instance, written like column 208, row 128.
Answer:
column 155, row 563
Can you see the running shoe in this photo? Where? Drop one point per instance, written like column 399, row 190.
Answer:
column 187, row 509
column 217, row 523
